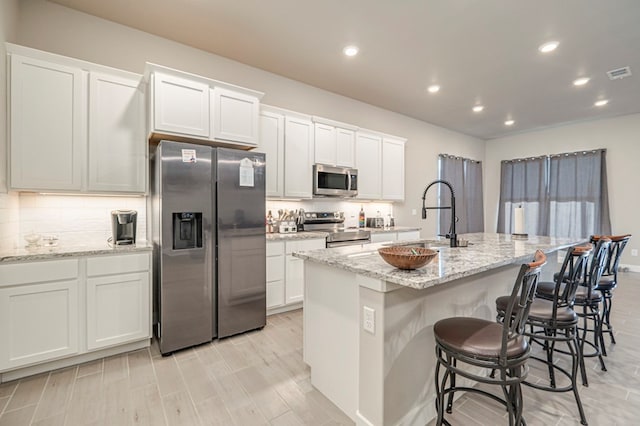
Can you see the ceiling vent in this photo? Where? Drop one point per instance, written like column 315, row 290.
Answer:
column 619, row 73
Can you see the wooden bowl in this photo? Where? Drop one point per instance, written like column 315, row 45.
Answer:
column 407, row 257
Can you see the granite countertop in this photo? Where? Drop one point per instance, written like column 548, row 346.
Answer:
column 305, row 235
column 62, row 250
column 485, row 252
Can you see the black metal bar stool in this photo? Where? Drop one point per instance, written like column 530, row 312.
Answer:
column 490, row 346
column 609, row 281
column 589, row 299
column 553, row 321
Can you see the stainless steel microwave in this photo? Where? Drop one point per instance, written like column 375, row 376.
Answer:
column 330, row 181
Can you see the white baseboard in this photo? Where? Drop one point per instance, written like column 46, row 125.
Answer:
column 362, row 420
column 631, row 268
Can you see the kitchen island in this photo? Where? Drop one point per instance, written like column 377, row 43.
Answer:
column 384, row 375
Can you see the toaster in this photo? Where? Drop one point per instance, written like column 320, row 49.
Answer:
column 375, row 222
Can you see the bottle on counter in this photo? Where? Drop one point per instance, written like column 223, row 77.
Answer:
column 270, row 227
column 361, row 220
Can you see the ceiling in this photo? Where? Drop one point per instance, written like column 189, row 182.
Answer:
column 478, row 51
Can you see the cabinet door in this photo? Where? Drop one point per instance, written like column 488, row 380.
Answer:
column 325, row 144
column 235, row 116
column 392, row 170
column 381, row 237
column 294, row 282
column 117, row 309
column 345, row 147
column 368, row 152
column 48, row 125
column 38, row 322
column 298, row 157
column 272, row 145
column 180, row 105
column 117, row 146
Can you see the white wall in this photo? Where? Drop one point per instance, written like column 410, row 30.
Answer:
column 57, row 29
column 620, row 136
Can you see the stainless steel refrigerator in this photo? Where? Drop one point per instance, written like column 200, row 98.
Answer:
column 208, row 210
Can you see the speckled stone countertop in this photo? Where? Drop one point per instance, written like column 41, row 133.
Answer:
column 67, row 250
column 485, row 252
column 305, row 235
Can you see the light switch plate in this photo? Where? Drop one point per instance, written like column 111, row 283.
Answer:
column 634, row 252
column 369, row 319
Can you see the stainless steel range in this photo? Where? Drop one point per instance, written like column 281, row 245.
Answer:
column 333, row 223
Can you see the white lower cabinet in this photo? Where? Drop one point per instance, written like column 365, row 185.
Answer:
column 43, row 306
column 408, row 235
column 285, row 273
column 118, row 305
column 39, row 312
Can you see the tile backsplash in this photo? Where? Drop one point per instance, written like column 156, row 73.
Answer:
column 74, row 219
column 9, row 220
column 350, row 208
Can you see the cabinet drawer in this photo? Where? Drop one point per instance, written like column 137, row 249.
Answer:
column 35, row 272
column 119, row 264
column 275, row 249
column 302, row 245
column 408, row 235
column 275, row 268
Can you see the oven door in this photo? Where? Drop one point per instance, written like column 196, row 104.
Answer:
column 329, row 181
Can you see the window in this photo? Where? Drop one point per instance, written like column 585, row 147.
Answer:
column 465, row 176
column 562, row 195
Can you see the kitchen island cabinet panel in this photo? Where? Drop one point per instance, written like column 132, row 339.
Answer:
column 47, row 125
column 117, row 146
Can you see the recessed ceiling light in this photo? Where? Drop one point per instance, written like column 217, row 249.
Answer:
column 434, row 88
column 548, row 47
column 478, row 108
column 601, row 102
column 509, row 123
column 581, row 81
column 350, row 50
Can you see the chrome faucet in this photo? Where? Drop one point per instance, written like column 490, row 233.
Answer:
column 453, row 237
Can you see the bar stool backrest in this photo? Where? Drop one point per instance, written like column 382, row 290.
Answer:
column 522, row 295
column 598, row 265
column 618, row 243
column 572, row 273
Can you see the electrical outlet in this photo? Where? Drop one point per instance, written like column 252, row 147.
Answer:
column 369, row 319
column 414, row 212
column 634, row 252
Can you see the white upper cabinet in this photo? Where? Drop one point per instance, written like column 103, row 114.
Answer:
column 334, row 145
column 272, row 145
column 234, row 116
column 298, row 157
column 325, row 144
column 392, row 169
column 369, row 165
column 75, row 126
column 345, row 147
column 48, row 125
column 180, row 105
column 117, row 148
column 189, row 107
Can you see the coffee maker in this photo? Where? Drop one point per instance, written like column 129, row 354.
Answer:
column 123, row 227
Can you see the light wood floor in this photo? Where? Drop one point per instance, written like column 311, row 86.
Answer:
column 260, row 379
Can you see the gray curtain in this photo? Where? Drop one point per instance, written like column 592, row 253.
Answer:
column 578, row 196
column 523, row 183
column 465, row 176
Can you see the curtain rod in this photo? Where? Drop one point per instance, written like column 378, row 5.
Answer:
column 563, row 154
column 459, row 158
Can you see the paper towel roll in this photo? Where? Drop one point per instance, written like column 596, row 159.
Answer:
column 518, row 227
